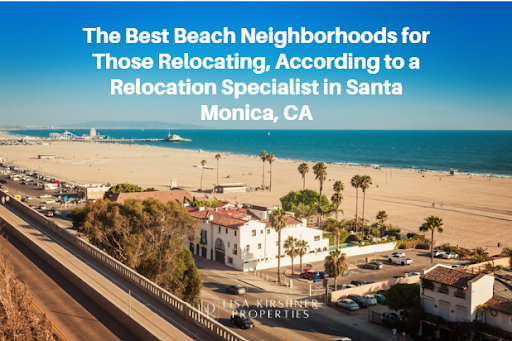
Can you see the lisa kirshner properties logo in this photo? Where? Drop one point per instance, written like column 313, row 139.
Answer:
column 211, row 306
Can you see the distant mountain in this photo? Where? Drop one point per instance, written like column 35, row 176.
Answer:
column 130, row 125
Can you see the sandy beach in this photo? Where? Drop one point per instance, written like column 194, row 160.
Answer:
column 477, row 211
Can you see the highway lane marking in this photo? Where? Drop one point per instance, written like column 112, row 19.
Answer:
column 122, row 301
column 57, row 329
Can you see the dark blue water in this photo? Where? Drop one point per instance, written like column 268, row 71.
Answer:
column 486, row 152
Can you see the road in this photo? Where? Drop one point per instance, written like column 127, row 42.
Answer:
column 306, row 324
column 150, row 311
column 68, row 308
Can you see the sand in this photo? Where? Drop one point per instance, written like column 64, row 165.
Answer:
column 476, row 211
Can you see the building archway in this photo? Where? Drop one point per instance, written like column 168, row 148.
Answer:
column 220, row 251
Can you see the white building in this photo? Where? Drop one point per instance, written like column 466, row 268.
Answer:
column 244, row 239
column 455, row 295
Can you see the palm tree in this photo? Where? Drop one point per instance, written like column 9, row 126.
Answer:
column 263, row 157
column 302, row 211
column 366, row 181
column 320, row 170
column 492, row 268
column 270, row 158
column 290, row 245
column 336, row 264
column 302, row 249
column 480, row 255
column 278, row 220
column 432, row 224
column 217, row 157
column 382, row 216
column 356, row 183
column 303, row 170
column 335, row 227
column 336, row 198
column 203, row 162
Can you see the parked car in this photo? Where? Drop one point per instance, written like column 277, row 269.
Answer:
column 308, row 267
column 438, row 253
column 323, row 274
column 49, row 202
column 49, row 214
column 348, row 286
column 400, row 260
column 371, row 299
column 357, row 282
column 397, row 254
column 3, row 181
column 413, row 273
column 391, row 319
column 42, row 207
column 375, row 265
column 450, row 255
column 380, row 298
column 360, row 300
column 242, row 321
column 307, row 274
column 236, row 289
column 347, row 303
column 369, row 282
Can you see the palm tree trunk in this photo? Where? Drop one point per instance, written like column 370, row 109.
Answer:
column 432, row 249
column 320, row 207
column 217, row 172
column 263, row 178
column 279, row 257
column 270, row 177
column 303, row 182
column 364, row 198
column 357, row 200
column 293, row 272
column 300, row 263
column 202, row 178
column 335, row 283
column 337, row 240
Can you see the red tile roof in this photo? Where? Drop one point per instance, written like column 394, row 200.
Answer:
column 176, row 195
column 500, row 304
column 219, row 218
column 453, row 278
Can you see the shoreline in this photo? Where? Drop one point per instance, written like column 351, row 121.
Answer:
column 344, row 164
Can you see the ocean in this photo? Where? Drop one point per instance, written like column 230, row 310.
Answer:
column 475, row 152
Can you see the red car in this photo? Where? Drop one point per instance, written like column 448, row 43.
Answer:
column 307, row 274
column 308, row 267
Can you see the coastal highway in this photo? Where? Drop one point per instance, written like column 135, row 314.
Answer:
column 149, row 311
column 77, row 317
column 317, row 326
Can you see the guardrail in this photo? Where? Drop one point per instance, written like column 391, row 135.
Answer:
column 174, row 303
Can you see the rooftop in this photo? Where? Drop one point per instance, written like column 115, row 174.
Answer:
column 177, row 195
column 451, row 277
column 500, row 304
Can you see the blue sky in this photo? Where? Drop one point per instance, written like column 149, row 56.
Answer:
column 48, row 76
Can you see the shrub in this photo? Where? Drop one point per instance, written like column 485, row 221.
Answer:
column 411, row 235
column 352, row 238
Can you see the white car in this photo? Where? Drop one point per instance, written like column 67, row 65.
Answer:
column 347, row 303
column 45, row 196
column 439, row 253
column 400, row 260
column 450, row 255
column 397, row 254
column 371, row 300
column 49, row 202
column 414, row 273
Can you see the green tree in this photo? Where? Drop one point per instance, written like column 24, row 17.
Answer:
column 492, row 268
column 336, row 264
column 203, row 162
column 121, row 188
column 217, row 157
column 336, row 228
column 366, row 181
column 432, row 224
column 356, row 183
column 303, row 170
column 480, row 255
column 290, row 247
column 308, row 197
column 507, row 251
column 149, row 237
column 403, row 297
column 302, row 211
column 263, row 157
column 278, row 219
column 336, row 198
column 381, row 216
column 151, row 189
column 302, row 249
column 270, row 158
column 320, row 170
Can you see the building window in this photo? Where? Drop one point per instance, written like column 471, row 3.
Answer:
column 259, row 246
column 317, row 238
column 228, row 244
column 248, row 247
column 226, row 231
column 235, row 249
column 261, row 231
column 253, row 233
column 219, row 229
column 443, row 288
column 235, row 233
column 230, row 260
column 268, row 231
column 460, row 293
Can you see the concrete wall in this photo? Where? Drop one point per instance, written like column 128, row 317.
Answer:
column 501, row 320
column 372, row 288
column 177, row 305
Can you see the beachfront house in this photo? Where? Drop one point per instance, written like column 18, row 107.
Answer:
column 243, row 238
